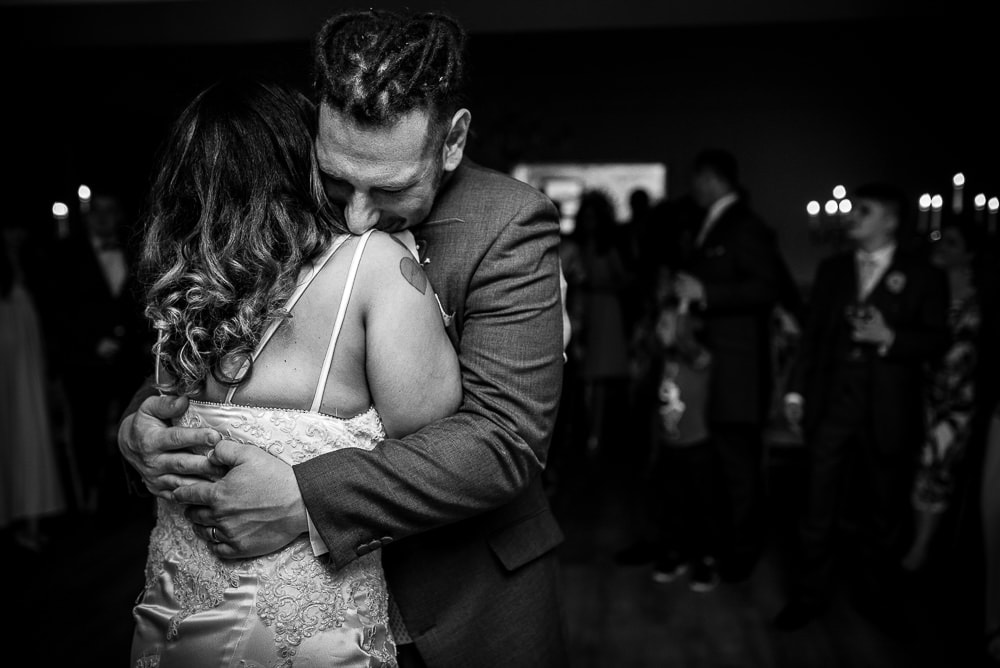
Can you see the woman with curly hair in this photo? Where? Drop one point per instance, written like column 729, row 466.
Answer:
column 288, row 333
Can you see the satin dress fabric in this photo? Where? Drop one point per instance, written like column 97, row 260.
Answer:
column 288, row 608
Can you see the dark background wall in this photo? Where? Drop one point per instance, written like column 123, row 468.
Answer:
column 841, row 96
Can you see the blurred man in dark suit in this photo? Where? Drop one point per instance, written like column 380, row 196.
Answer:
column 732, row 275
column 100, row 343
column 877, row 314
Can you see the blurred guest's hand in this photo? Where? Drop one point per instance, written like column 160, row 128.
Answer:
column 871, row 328
column 794, row 411
column 689, row 289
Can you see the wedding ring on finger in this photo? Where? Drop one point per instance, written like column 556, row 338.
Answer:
column 215, row 536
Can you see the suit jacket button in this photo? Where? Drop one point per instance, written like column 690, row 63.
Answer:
column 363, row 549
column 385, row 540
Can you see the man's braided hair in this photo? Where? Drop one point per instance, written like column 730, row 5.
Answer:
column 376, row 66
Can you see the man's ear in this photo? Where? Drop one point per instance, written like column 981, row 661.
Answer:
column 454, row 142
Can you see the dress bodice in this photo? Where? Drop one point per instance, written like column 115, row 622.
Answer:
column 289, row 434
column 273, row 610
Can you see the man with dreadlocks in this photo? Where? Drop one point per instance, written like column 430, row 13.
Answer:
column 465, row 529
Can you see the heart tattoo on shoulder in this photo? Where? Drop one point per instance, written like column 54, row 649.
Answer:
column 413, row 274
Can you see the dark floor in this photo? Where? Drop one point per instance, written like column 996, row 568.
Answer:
column 73, row 599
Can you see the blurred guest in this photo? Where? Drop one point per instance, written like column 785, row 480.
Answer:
column 101, row 340
column 659, row 247
column 640, row 207
column 877, row 315
column 731, row 278
column 982, row 464
column 598, row 278
column 31, row 488
column 632, row 233
column 687, row 539
column 951, row 391
column 666, row 237
column 990, row 503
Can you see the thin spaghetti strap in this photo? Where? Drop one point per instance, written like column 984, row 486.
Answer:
column 289, row 305
column 348, row 288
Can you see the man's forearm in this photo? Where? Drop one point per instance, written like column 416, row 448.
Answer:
column 132, row 478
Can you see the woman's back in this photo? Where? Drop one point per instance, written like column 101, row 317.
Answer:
column 410, row 384
column 291, row 604
column 238, row 228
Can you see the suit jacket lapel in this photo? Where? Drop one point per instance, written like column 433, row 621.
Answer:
column 714, row 232
column 879, row 291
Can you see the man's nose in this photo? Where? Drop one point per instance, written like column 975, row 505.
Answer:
column 360, row 213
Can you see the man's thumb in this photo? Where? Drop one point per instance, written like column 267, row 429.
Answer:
column 165, row 407
column 226, row 454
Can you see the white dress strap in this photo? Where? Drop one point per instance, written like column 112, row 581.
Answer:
column 345, row 298
column 300, row 289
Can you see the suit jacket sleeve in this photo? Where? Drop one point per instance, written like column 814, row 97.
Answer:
column 817, row 320
column 485, row 456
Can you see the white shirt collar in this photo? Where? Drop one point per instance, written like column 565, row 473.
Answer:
column 720, row 205
column 714, row 211
column 881, row 257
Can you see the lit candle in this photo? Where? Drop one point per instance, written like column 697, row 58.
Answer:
column 936, row 203
column 830, row 217
column 957, row 184
column 83, row 193
column 923, row 207
column 979, row 203
column 813, row 209
column 60, row 213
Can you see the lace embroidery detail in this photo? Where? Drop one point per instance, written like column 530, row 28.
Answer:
column 304, row 597
column 299, row 594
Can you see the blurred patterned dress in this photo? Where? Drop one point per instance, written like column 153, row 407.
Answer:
column 950, row 405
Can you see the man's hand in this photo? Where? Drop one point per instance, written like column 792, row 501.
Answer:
column 794, row 411
column 689, row 289
column 871, row 328
column 256, row 508
column 166, row 457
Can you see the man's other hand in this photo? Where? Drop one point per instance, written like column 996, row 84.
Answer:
column 793, row 406
column 256, row 508
column 166, row 457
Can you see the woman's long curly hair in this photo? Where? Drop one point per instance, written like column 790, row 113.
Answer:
column 235, row 211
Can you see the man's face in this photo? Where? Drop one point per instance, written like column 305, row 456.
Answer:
column 382, row 177
column 704, row 188
column 870, row 223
